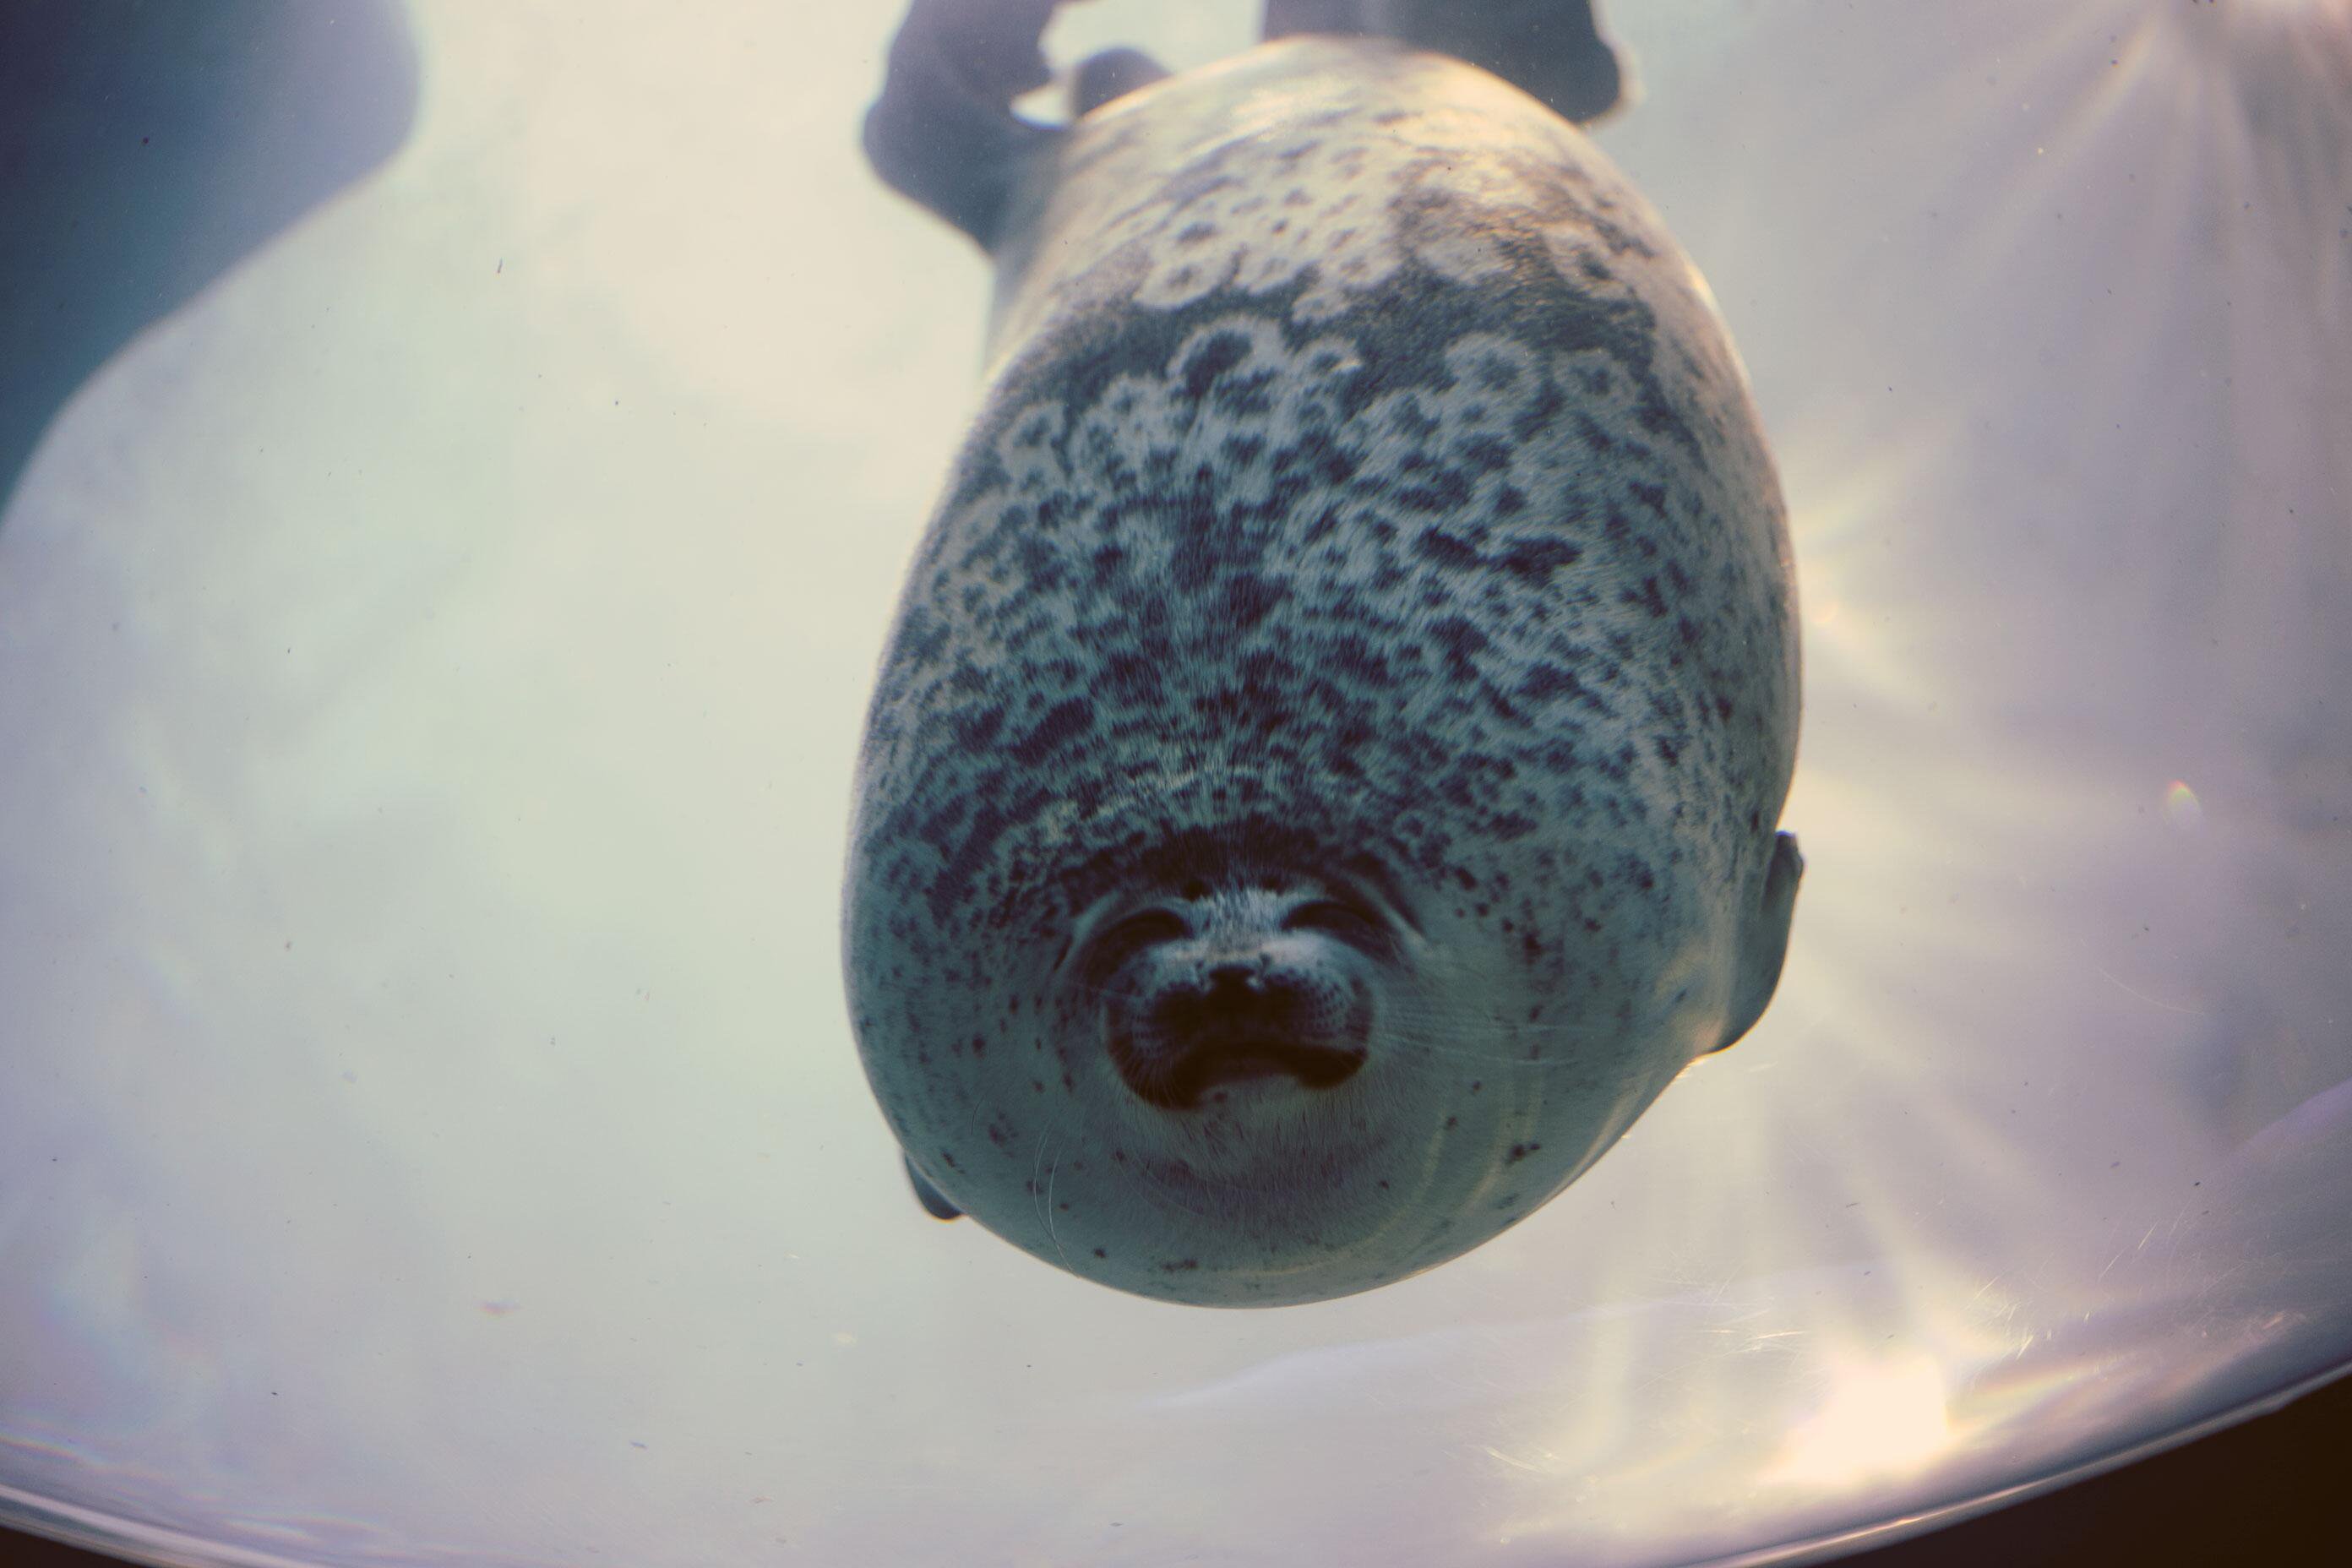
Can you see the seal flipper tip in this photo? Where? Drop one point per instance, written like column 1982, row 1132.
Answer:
column 943, row 131
column 1113, row 73
column 934, row 1203
column 1551, row 49
column 1764, row 944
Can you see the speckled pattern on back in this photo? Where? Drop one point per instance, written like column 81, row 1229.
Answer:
column 1362, row 478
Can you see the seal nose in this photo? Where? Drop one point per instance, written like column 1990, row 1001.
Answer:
column 1235, row 999
column 1233, row 988
column 1233, row 1019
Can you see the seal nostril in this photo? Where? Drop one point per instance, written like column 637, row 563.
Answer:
column 1229, row 999
column 1232, row 1021
column 1243, row 994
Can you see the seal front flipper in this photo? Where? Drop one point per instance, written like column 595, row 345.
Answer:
column 1551, row 49
column 1764, row 944
column 934, row 1203
column 943, row 131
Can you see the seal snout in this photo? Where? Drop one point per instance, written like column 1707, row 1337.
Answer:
column 1214, row 980
column 1211, row 994
column 1248, row 1021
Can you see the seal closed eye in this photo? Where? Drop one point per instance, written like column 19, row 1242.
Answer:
column 1323, row 781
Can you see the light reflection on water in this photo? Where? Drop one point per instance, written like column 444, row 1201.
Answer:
column 428, row 1128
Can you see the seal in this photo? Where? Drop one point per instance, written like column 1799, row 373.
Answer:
column 1323, row 781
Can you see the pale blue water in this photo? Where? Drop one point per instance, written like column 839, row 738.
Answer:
column 431, row 660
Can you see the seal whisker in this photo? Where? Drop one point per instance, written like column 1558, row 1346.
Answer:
column 1398, row 1012
column 1492, row 1063
column 1053, row 1231
column 1506, row 1028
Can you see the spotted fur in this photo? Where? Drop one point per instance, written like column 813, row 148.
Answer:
column 1364, row 492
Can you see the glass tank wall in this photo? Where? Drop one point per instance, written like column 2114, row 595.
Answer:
column 432, row 656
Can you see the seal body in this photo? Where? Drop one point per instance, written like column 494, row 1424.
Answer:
column 1323, row 782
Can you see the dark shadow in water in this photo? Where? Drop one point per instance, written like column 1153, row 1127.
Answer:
column 145, row 149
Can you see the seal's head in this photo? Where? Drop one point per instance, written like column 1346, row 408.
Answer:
column 1242, row 1065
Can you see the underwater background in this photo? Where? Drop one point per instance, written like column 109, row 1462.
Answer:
column 431, row 660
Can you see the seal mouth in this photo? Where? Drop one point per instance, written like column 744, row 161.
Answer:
column 1181, row 1081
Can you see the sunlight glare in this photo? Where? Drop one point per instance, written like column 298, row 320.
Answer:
column 1881, row 1418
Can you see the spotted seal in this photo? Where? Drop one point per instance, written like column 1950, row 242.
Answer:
column 1323, row 782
